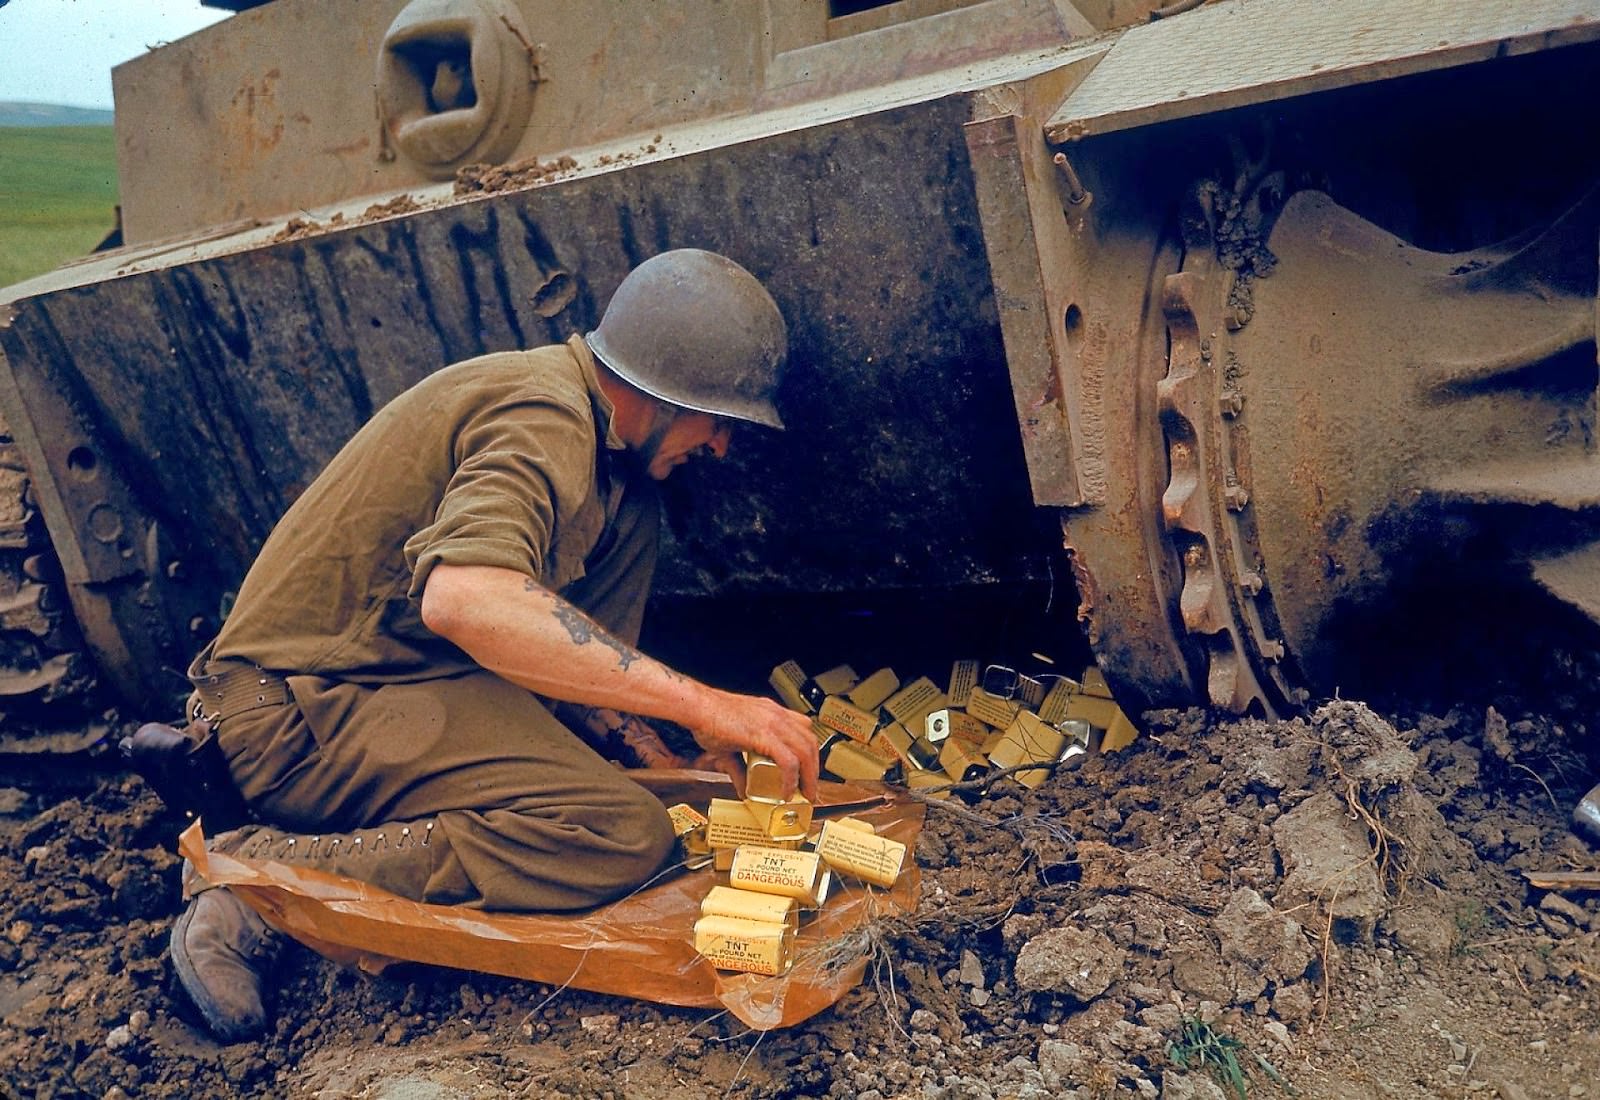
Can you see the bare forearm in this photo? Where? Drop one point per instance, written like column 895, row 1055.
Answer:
column 513, row 626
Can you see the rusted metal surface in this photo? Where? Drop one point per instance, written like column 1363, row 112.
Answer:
column 1224, row 601
column 1071, row 283
column 1020, row 214
column 41, row 665
column 899, row 408
column 289, row 106
column 1106, row 262
column 1267, row 373
column 1306, row 492
column 1426, row 386
column 1237, row 54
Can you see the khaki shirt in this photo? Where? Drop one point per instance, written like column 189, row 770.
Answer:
column 493, row 461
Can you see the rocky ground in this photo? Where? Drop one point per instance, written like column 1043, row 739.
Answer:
column 1326, row 907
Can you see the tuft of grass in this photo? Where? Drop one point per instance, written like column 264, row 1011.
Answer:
column 1471, row 919
column 1230, row 1063
column 58, row 196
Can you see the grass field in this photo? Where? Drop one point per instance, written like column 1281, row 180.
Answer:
column 58, row 194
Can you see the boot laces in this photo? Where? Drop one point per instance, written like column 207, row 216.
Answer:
column 285, row 848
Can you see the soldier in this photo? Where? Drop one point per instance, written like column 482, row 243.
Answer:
column 478, row 553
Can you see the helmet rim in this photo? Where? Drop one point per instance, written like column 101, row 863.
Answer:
column 697, row 331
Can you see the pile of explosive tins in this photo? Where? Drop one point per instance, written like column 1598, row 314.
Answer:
column 777, row 868
column 927, row 738
column 874, row 729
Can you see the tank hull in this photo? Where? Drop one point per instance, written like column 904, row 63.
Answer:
column 1031, row 314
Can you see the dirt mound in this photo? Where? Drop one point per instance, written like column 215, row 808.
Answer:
column 1332, row 903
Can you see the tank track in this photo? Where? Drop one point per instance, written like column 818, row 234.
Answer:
column 1225, row 603
column 47, row 683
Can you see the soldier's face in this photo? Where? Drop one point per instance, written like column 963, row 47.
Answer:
column 682, row 435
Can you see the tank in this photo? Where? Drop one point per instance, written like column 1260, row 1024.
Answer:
column 1272, row 324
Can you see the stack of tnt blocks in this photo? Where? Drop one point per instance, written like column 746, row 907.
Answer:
column 929, row 738
column 778, row 868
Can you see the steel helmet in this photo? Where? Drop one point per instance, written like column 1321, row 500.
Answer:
column 696, row 330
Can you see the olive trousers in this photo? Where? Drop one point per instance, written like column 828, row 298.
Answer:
column 520, row 814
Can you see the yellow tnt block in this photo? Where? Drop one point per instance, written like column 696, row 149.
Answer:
column 912, row 703
column 787, row 680
column 1028, row 741
column 1119, row 735
column 852, row 760
column 991, row 709
column 963, row 678
column 920, row 780
column 1092, row 709
column 959, row 761
column 755, row 947
column 840, row 714
column 870, row 693
column 1053, row 708
column 1094, row 683
column 837, row 680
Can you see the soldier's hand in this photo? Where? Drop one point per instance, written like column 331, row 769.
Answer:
column 752, row 724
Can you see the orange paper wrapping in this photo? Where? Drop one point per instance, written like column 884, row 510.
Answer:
column 641, row 946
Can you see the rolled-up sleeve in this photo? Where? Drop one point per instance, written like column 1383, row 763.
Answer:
column 521, row 468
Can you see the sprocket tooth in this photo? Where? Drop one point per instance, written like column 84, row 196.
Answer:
column 1226, row 682
column 1206, row 496
column 1184, row 497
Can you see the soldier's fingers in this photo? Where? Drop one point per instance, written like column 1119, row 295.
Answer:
column 801, row 766
column 789, row 766
column 809, row 765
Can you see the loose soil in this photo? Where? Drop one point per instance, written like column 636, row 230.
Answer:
column 1328, row 907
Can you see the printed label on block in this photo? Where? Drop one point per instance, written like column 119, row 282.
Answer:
column 963, row 678
column 991, row 709
column 1053, row 708
column 968, row 730
column 842, row 715
column 792, row 874
column 912, row 703
column 867, row 856
column 732, row 824
column 755, row 947
column 786, row 681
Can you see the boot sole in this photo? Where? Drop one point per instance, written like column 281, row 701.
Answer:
column 219, row 1023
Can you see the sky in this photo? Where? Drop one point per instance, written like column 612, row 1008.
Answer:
column 62, row 51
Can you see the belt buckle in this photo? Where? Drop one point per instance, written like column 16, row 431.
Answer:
column 198, row 713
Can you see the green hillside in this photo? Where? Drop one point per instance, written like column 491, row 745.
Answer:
column 58, row 196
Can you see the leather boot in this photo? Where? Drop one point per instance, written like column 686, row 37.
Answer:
column 222, row 951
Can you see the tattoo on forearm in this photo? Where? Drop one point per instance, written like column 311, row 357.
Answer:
column 580, row 628
column 583, row 630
